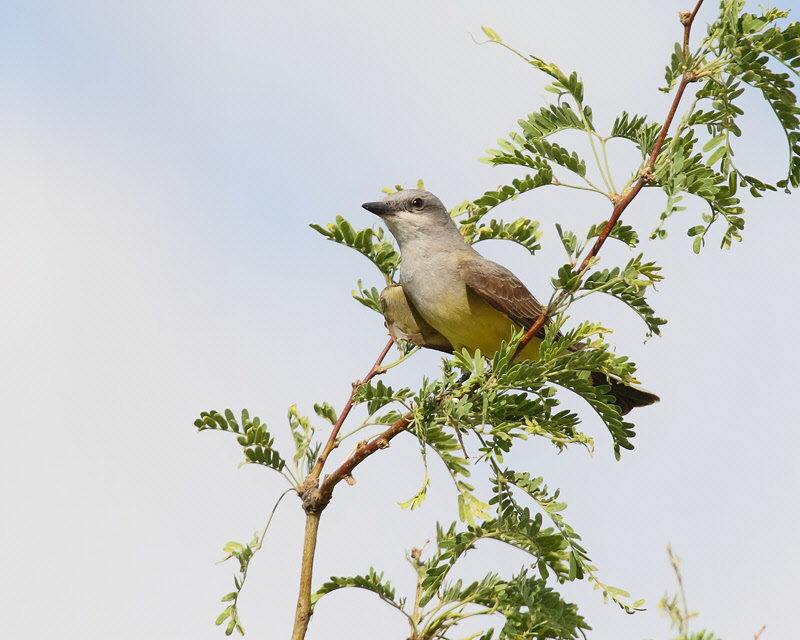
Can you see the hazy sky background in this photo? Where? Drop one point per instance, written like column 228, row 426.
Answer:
column 161, row 162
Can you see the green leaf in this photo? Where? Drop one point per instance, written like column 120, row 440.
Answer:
column 714, row 142
column 573, row 567
column 371, row 242
column 563, row 85
column 522, row 231
column 684, row 170
column 490, row 199
column 243, row 553
column 326, row 411
column 717, row 155
column 550, row 120
column 373, row 582
column 629, row 286
column 378, row 395
column 622, row 232
column 370, row 298
column 303, row 435
column 256, row 440
column 418, row 498
column 569, row 241
column 636, row 129
column 491, row 34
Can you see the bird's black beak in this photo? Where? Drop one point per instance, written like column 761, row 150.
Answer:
column 378, row 208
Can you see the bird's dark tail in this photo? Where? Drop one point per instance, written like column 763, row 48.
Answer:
column 626, row 397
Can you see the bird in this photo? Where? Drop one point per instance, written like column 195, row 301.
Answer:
column 450, row 297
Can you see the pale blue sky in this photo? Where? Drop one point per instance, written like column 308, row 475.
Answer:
column 160, row 164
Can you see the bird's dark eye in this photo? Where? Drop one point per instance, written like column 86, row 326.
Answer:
column 417, row 203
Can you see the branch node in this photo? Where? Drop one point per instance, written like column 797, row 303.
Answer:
column 647, row 175
column 309, row 484
column 382, row 443
column 417, row 553
column 312, row 498
column 685, row 17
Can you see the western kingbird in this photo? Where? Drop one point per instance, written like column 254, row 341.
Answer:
column 450, row 297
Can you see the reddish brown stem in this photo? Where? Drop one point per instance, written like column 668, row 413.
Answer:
column 644, row 177
column 363, row 450
column 332, row 442
column 686, row 20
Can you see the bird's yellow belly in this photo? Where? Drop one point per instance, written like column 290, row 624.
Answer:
column 467, row 321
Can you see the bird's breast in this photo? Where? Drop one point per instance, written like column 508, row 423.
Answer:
column 443, row 299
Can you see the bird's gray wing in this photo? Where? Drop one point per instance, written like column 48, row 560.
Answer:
column 405, row 323
column 502, row 290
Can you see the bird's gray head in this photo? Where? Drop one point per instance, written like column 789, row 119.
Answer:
column 413, row 214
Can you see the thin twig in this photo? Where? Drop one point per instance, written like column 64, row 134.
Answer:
column 271, row 515
column 675, row 561
column 686, row 20
column 332, row 442
column 458, row 434
column 363, row 450
column 415, row 617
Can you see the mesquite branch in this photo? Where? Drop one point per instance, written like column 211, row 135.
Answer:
column 316, row 495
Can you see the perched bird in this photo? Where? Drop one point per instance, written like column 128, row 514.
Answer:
column 450, row 297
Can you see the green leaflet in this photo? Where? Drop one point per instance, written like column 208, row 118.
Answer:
column 371, row 242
